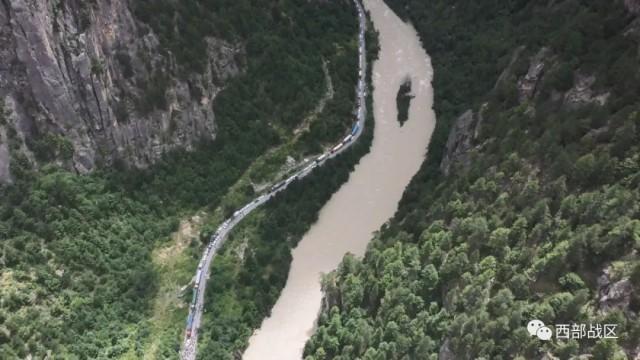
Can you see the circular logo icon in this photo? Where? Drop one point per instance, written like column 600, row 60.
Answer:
column 544, row 333
column 533, row 326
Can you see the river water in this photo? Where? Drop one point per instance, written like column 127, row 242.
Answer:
column 370, row 196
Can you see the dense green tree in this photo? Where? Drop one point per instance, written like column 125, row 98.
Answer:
column 547, row 203
column 76, row 250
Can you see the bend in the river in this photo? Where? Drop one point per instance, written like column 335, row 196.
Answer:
column 368, row 199
column 190, row 340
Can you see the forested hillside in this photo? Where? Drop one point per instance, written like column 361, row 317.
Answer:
column 249, row 274
column 76, row 275
column 527, row 206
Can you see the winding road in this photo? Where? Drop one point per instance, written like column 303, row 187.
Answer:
column 190, row 342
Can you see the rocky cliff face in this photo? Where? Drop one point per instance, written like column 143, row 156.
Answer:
column 542, row 63
column 83, row 83
column 465, row 130
column 633, row 6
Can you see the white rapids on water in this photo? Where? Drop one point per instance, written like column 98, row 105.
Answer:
column 368, row 199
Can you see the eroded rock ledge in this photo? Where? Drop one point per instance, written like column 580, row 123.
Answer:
column 90, row 78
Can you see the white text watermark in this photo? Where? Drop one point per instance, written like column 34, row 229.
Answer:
column 572, row 331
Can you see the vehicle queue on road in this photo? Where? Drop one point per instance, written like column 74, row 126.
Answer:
column 217, row 238
column 189, row 330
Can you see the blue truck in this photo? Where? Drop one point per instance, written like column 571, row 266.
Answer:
column 355, row 129
column 189, row 324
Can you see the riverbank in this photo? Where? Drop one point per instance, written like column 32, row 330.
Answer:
column 367, row 200
column 499, row 227
column 237, row 298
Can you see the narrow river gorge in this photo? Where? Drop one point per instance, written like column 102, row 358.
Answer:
column 368, row 199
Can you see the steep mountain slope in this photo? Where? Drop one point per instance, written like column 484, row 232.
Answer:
column 76, row 266
column 528, row 204
column 248, row 275
column 86, row 83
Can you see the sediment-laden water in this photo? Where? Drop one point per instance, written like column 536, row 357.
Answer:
column 368, row 199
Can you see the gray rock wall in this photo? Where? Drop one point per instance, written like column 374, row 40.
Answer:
column 460, row 142
column 81, row 72
column 633, row 6
column 465, row 130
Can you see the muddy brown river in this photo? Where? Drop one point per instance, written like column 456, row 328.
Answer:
column 370, row 196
